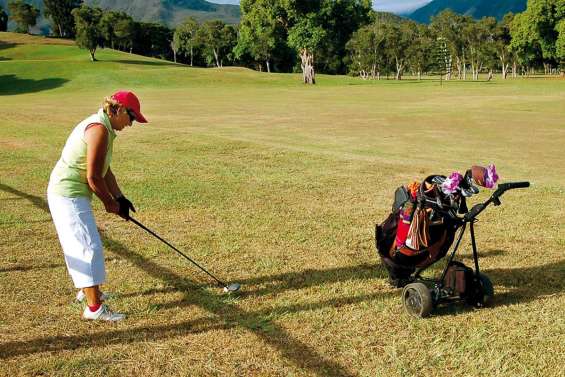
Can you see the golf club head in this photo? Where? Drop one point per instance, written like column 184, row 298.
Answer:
column 233, row 287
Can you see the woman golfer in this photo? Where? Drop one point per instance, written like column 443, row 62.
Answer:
column 83, row 169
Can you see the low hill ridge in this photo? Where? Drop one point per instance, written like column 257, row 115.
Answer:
column 167, row 12
column 474, row 8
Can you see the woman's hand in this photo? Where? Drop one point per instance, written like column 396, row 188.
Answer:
column 112, row 206
column 125, row 206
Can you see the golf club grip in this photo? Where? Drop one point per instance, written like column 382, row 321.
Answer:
column 513, row 185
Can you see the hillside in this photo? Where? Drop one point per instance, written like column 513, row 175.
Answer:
column 475, row 8
column 168, row 12
column 171, row 12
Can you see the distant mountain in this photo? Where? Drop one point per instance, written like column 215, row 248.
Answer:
column 171, row 12
column 168, row 12
column 474, row 8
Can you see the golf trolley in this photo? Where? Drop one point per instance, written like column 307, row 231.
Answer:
column 457, row 283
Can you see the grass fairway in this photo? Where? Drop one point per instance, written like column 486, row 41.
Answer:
column 276, row 186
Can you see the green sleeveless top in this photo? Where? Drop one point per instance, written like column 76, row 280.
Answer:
column 68, row 178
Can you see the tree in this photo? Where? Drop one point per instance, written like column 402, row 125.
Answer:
column 306, row 37
column 23, row 14
column 159, row 38
column 502, row 40
column 124, row 31
column 544, row 15
column 60, row 14
column 339, row 19
column 398, row 38
column 442, row 58
column 258, row 30
column 316, row 31
column 560, row 45
column 3, row 20
column 229, row 38
column 116, row 28
column 184, row 37
column 263, row 34
column 524, row 45
column 534, row 31
column 218, row 40
column 366, row 49
column 449, row 25
column 88, row 35
column 107, row 24
column 479, row 36
column 420, row 50
column 151, row 39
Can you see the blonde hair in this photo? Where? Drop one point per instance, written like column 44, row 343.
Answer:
column 111, row 106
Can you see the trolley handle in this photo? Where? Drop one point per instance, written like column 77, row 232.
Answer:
column 511, row 185
column 477, row 208
column 502, row 188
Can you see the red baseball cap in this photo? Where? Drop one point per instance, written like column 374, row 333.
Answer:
column 130, row 101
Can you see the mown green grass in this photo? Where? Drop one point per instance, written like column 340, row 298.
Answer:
column 277, row 186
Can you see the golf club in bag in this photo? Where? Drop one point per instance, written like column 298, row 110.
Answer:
column 227, row 288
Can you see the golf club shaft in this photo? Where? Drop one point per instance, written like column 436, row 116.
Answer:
column 175, row 249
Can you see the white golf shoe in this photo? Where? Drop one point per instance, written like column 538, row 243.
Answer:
column 102, row 314
column 81, row 296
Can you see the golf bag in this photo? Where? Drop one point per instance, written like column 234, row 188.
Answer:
column 420, row 228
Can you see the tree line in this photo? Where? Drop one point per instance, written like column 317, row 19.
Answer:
column 329, row 36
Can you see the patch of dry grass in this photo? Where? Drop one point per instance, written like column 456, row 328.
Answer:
column 278, row 186
column 18, row 38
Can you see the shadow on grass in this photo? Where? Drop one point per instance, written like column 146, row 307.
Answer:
column 227, row 313
column 12, row 85
column 523, row 285
column 528, row 283
column 490, row 253
column 308, row 278
column 261, row 323
column 105, row 338
column 7, row 223
column 305, row 279
column 35, row 200
column 20, row 268
column 5, row 45
column 147, row 292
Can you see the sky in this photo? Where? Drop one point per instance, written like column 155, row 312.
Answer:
column 399, row 6
column 393, row 6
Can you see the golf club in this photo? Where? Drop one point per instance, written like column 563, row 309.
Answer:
column 227, row 288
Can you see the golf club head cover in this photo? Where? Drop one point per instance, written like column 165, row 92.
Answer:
column 125, row 206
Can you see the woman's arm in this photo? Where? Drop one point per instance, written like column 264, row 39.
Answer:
column 96, row 137
column 112, row 184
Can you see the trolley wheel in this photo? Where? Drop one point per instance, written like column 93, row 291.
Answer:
column 417, row 300
column 481, row 293
column 487, row 289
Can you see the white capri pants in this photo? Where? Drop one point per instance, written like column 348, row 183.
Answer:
column 80, row 240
